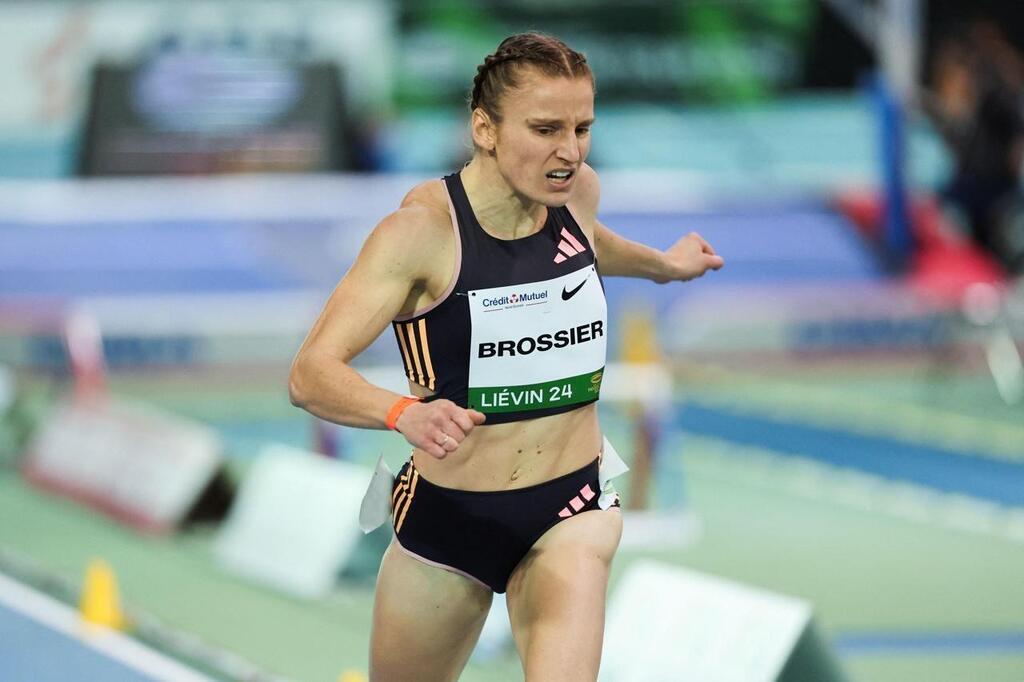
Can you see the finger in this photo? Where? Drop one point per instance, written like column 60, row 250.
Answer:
column 447, row 443
column 434, row 450
column 462, row 420
column 454, row 432
column 448, row 427
column 477, row 417
column 715, row 262
column 443, row 435
column 705, row 246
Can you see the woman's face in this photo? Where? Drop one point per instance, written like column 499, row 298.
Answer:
column 544, row 135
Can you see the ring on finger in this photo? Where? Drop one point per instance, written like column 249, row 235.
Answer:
column 445, row 440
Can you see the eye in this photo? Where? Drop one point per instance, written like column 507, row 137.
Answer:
column 583, row 130
column 545, row 130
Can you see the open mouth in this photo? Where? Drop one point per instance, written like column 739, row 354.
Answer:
column 559, row 175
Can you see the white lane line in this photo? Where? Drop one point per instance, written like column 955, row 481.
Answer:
column 55, row 615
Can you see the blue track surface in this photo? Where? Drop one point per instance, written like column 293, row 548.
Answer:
column 957, row 472
column 31, row 652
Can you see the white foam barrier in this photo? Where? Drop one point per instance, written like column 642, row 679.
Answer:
column 295, row 523
column 667, row 623
column 145, row 467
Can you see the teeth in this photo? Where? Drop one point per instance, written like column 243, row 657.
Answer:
column 561, row 175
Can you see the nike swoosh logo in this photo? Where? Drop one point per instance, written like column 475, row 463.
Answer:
column 566, row 294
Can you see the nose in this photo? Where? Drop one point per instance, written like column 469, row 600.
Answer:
column 569, row 148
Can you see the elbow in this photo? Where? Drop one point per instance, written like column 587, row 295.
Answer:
column 297, row 392
column 295, row 395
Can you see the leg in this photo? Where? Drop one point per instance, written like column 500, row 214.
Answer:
column 556, row 598
column 426, row 620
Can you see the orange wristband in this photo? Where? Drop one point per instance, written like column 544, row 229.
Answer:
column 396, row 410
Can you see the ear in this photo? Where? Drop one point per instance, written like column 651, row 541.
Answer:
column 485, row 133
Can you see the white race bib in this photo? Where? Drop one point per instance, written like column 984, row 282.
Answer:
column 537, row 345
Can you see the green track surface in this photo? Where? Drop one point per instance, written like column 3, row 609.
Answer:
column 868, row 558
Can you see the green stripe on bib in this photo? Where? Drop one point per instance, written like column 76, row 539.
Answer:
column 578, row 389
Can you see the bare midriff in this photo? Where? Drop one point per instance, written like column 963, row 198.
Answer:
column 517, row 454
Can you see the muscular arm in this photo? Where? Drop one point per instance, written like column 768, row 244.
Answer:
column 370, row 295
column 687, row 259
column 387, row 277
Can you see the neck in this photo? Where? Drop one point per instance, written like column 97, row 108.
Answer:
column 500, row 210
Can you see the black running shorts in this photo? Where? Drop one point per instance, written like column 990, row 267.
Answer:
column 484, row 535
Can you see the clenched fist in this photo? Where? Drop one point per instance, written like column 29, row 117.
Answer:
column 437, row 427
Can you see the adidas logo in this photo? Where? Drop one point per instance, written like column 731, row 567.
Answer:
column 587, row 493
column 568, row 247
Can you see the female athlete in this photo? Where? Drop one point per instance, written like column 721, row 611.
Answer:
column 490, row 280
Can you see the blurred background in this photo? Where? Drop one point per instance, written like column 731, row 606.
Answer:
column 826, row 437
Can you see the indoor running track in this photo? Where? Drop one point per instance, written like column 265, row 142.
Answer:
column 45, row 641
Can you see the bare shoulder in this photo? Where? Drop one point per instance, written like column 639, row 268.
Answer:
column 430, row 194
column 412, row 239
column 586, row 194
column 422, row 221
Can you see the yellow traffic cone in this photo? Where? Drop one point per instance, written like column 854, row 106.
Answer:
column 100, row 604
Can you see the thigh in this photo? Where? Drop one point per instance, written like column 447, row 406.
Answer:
column 556, row 597
column 426, row 620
